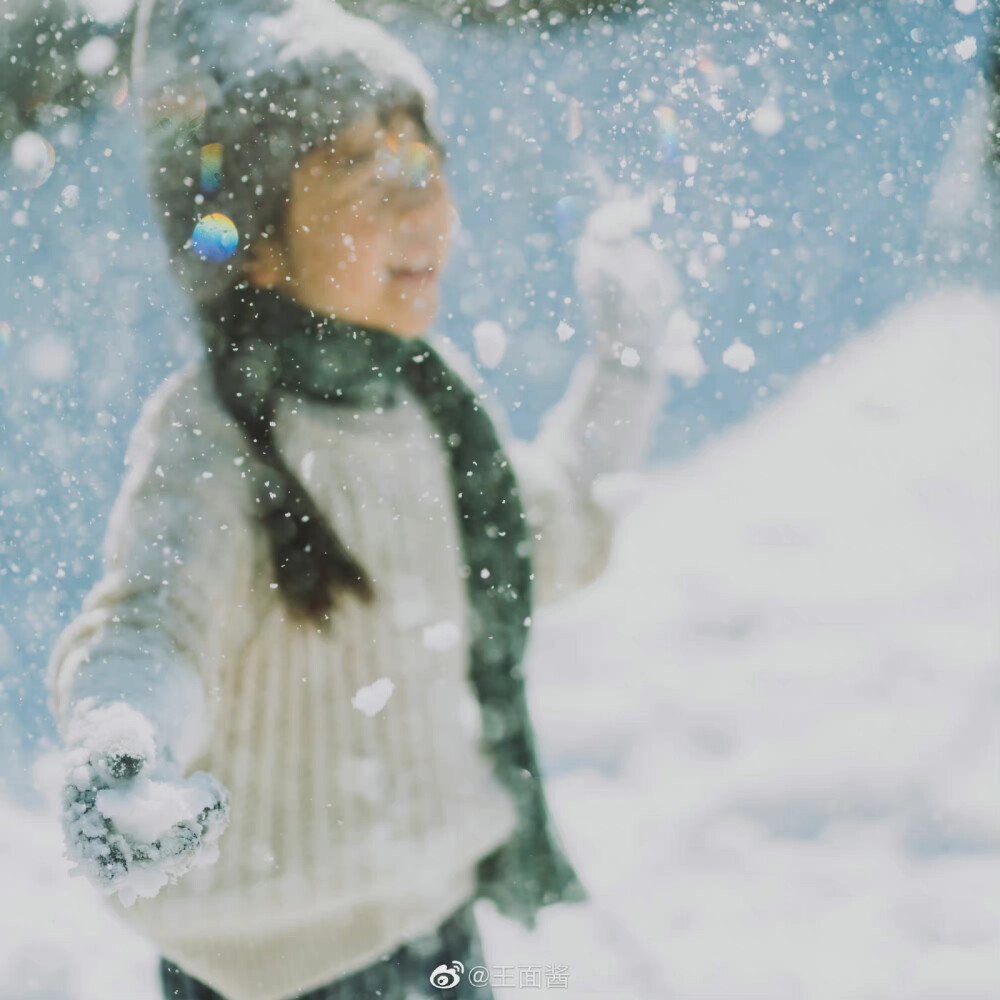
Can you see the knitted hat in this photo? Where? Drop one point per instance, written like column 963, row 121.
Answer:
column 233, row 94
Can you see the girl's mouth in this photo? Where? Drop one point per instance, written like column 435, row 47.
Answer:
column 414, row 275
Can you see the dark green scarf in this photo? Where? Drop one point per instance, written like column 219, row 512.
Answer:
column 277, row 346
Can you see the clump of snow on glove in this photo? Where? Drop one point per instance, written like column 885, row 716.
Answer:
column 133, row 823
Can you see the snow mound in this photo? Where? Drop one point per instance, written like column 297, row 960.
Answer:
column 57, row 940
column 785, row 690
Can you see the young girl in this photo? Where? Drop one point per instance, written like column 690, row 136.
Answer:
column 299, row 746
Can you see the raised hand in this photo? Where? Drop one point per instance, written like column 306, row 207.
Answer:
column 132, row 822
column 634, row 294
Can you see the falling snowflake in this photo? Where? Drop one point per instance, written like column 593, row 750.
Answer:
column 739, row 356
column 374, row 697
column 491, row 342
column 966, row 48
column 441, row 636
column 768, row 120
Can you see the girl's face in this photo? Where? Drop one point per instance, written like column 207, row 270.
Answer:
column 366, row 230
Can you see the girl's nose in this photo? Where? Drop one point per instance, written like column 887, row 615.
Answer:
column 419, row 207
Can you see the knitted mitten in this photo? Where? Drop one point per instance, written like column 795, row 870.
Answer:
column 132, row 822
column 642, row 335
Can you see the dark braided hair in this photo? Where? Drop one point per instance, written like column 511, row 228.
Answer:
column 311, row 564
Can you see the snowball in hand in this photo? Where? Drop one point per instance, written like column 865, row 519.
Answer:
column 135, row 839
column 146, row 810
column 132, row 822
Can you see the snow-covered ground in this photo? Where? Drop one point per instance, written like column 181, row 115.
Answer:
column 771, row 726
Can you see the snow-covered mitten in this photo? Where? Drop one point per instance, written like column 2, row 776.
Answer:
column 634, row 294
column 132, row 821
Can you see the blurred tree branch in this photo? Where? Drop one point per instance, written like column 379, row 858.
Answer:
column 41, row 81
column 503, row 13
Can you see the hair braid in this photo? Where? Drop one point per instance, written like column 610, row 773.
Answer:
column 312, row 567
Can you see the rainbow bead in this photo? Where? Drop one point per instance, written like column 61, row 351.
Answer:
column 215, row 238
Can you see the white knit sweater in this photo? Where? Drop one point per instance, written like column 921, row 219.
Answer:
column 351, row 829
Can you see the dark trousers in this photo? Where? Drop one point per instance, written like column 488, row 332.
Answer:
column 402, row 975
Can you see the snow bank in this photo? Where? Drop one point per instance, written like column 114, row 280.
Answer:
column 775, row 716
column 57, row 939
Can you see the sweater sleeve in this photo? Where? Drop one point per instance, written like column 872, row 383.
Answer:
column 177, row 564
column 601, row 426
